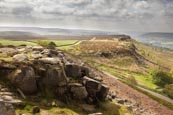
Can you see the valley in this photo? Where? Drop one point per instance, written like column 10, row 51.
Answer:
column 132, row 63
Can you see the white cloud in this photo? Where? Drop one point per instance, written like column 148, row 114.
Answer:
column 89, row 13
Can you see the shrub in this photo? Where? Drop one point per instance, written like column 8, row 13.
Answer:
column 1, row 45
column 168, row 90
column 51, row 45
column 42, row 42
column 162, row 78
column 131, row 80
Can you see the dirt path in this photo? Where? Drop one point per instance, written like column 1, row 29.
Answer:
column 149, row 91
column 138, row 99
column 157, row 95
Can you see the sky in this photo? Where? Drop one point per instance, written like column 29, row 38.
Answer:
column 113, row 15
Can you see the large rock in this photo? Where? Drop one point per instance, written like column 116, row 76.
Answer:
column 92, row 86
column 95, row 88
column 55, row 76
column 102, row 94
column 78, row 91
column 50, row 60
column 76, row 71
column 20, row 57
column 24, row 79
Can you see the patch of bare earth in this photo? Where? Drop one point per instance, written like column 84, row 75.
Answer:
column 138, row 99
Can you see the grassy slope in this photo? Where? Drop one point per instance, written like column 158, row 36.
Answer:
column 160, row 56
column 106, row 108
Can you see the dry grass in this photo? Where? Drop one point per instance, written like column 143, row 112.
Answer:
column 95, row 46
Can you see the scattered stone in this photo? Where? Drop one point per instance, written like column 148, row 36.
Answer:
column 129, row 107
column 120, row 101
column 113, row 95
column 20, row 57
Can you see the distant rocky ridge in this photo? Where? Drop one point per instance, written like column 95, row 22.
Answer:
column 49, row 72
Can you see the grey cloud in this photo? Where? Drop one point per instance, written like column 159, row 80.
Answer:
column 96, row 12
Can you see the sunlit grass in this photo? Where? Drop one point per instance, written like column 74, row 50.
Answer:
column 16, row 43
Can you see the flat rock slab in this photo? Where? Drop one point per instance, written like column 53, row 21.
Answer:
column 6, row 93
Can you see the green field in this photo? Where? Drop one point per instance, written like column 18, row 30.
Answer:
column 16, row 43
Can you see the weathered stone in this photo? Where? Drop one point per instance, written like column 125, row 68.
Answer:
column 46, row 52
column 92, row 86
column 55, row 77
column 35, row 56
column 60, row 91
column 78, row 91
column 76, row 71
column 35, row 110
column 20, row 57
column 8, row 51
column 21, row 49
column 37, row 48
column 4, row 89
column 24, row 79
column 103, row 92
column 50, row 60
column 120, row 101
column 7, row 98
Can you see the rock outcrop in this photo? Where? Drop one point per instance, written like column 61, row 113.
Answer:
column 51, row 72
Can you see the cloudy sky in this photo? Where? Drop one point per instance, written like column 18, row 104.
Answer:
column 116, row 15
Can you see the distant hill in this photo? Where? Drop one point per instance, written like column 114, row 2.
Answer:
column 57, row 31
column 158, row 35
column 18, row 35
column 159, row 39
